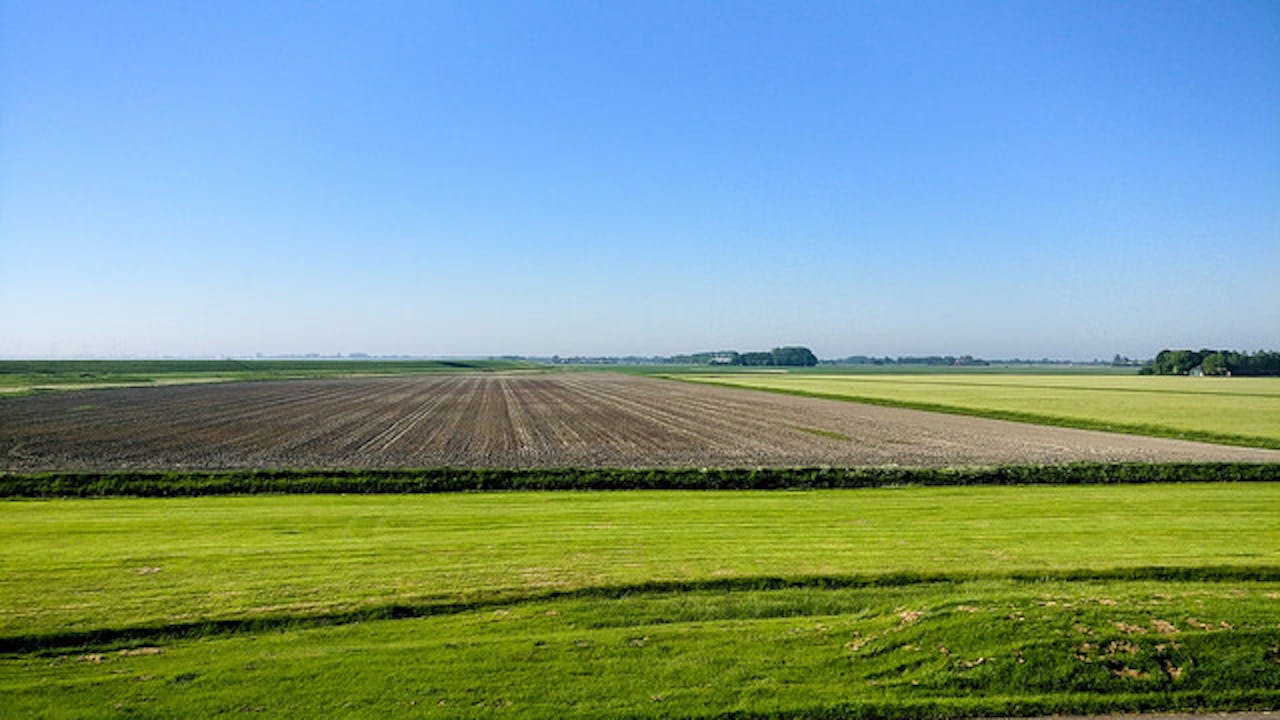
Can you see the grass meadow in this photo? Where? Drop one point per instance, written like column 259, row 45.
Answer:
column 893, row 602
column 1241, row 411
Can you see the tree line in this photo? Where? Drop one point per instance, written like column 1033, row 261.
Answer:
column 1213, row 362
column 789, row 356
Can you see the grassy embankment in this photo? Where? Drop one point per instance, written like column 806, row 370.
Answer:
column 1236, row 411
column 365, row 481
column 25, row 376
column 901, row 602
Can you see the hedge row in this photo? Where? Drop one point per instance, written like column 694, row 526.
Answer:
column 441, row 480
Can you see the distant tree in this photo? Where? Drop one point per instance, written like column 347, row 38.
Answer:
column 1259, row 363
column 1177, row 362
column 1215, row 363
column 793, row 356
column 754, row 359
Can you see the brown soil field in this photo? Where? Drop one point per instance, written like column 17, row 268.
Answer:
column 554, row 420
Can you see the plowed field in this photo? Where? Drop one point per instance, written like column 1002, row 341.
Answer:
column 584, row 420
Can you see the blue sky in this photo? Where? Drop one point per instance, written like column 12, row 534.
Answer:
column 1026, row 179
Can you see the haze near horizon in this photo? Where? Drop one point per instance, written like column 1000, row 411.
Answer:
column 996, row 179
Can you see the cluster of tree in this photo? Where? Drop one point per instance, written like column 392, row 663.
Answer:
column 1213, row 362
column 792, row 356
column 908, row 360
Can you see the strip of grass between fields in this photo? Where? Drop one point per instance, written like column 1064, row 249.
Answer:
column 1013, row 415
column 111, row 637
column 445, row 480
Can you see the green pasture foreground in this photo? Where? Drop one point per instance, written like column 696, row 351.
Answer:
column 1238, row 411
column 902, row 602
column 938, row 650
column 24, row 376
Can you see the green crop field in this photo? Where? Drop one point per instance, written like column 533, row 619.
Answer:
column 1240, row 411
column 896, row 602
column 19, row 377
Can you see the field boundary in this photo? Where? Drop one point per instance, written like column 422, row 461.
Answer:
column 1011, row 415
column 110, row 638
column 74, row 484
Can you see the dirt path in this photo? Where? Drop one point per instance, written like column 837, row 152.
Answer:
column 571, row 419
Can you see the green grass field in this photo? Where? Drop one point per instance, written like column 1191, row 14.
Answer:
column 1241, row 411
column 896, row 602
column 24, row 376
column 993, row 369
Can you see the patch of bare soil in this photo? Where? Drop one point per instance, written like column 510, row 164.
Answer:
column 578, row 419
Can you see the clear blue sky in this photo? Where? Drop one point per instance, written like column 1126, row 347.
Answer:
column 1002, row 179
